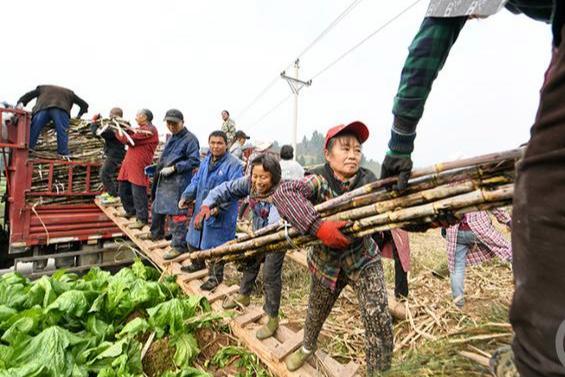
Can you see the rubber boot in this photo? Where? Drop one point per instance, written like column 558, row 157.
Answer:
column 269, row 329
column 234, row 302
column 297, row 359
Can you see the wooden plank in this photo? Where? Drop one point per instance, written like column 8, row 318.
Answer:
column 289, row 346
column 222, row 292
column 251, row 314
column 186, row 277
column 159, row 245
column 335, row 369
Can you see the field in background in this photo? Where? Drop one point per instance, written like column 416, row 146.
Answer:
column 429, row 341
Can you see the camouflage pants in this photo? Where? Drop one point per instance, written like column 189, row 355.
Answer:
column 371, row 294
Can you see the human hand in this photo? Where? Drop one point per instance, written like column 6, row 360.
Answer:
column 330, row 235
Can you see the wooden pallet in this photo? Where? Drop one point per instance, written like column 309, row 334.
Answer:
column 271, row 351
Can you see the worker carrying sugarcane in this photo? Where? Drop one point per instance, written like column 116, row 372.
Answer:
column 218, row 166
column 472, row 241
column 133, row 183
column 339, row 261
column 54, row 104
column 537, row 309
column 179, row 158
column 114, row 153
column 258, row 190
column 228, row 127
column 427, row 55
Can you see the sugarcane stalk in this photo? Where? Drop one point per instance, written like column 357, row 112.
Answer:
column 367, row 218
column 482, row 170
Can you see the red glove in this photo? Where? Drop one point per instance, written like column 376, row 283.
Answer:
column 330, row 235
column 204, row 214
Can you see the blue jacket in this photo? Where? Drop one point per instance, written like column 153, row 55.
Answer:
column 263, row 210
column 221, row 228
column 183, row 151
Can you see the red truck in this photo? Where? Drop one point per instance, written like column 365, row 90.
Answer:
column 34, row 229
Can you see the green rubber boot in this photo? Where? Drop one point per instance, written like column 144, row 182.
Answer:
column 269, row 329
column 297, row 359
column 234, row 302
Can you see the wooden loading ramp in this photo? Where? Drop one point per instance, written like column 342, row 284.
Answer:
column 272, row 351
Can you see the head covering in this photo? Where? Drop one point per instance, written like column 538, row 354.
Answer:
column 356, row 128
column 174, row 115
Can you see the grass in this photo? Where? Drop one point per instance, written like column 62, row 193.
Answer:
column 430, row 344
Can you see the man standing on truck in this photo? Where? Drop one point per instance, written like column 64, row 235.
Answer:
column 114, row 151
column 142, row 142
column 180, row 157
column 53, row 103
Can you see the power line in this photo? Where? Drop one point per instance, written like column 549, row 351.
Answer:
column 272, row 83
column 361, row 42
column 266, row 114
column 336, row 21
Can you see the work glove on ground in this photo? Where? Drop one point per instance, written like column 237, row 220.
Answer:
column 330, row 235
column 165, row 172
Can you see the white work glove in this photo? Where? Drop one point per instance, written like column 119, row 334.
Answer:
column 167, row 171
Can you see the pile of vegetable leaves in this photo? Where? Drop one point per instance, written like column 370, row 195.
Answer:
column 66, row 325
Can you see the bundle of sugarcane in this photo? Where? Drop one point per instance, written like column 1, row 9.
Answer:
column 453, row 188
column 84, row 145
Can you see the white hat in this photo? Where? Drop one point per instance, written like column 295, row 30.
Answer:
column 261, row 146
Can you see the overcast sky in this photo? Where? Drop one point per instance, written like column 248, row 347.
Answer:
column 204, row 56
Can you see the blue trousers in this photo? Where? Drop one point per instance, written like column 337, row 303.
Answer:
column 60, row 118
column 465, row 240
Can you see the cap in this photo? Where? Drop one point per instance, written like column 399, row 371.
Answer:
column 356, row 128
column 261, row 146
column 174, row 115
column 240, row 134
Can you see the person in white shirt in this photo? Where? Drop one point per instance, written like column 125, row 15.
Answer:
column 290, row 168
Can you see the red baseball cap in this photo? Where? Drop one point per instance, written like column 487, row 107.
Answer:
column 356, row 128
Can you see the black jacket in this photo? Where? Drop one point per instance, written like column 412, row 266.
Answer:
column 113, row 148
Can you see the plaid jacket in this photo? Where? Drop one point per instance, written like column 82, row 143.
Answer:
column 294, row 201
column 427, row 54
column 491, row 242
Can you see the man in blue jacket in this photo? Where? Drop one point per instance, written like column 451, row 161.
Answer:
column 174, row 172
column 218, row 167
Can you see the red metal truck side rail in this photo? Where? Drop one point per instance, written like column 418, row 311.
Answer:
column 28, row 221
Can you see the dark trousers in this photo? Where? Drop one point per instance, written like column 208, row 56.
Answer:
column 537, row 313
column 400, row 276
column 60, row 118
column 108, row 174
column 272, row 278
column 177, row 228
column 215, row 268
column 372, row 297
column 134, row 200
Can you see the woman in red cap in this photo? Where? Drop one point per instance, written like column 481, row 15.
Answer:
column 339, row 260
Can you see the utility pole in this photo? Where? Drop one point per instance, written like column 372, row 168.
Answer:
column 295, row 86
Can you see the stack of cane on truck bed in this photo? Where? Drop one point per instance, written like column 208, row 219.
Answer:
column 84, row 147
column 455, row 187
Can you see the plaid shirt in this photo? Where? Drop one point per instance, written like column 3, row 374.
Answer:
column 491, row 242
column 295, row 202
column 427, row 54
